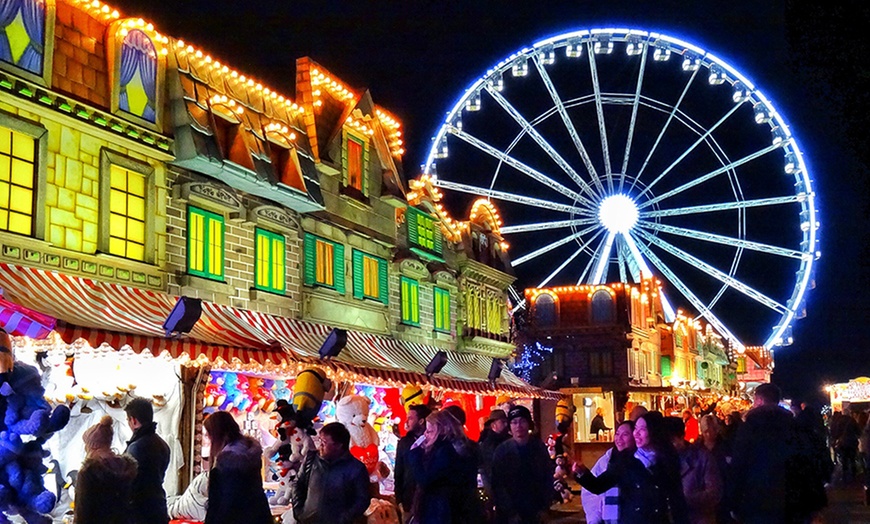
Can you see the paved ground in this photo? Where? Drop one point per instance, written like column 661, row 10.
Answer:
column 845, row 506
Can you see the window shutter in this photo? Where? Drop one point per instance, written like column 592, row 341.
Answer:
column 338, row 267
column 358, row 275
column 436, row 237
column 310, row 262
column 383, row 282
column 411, row 222
column 666, row 366
column 364, row 169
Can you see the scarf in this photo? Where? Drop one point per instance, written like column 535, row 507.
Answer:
column 647, row 458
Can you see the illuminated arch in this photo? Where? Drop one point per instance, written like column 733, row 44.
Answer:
column 484, row 212
column 546, row 309
column 602, row 309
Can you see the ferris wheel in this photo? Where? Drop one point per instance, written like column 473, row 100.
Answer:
column 617, row 153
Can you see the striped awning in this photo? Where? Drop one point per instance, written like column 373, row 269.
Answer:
column 119, row 315
column 20, row 321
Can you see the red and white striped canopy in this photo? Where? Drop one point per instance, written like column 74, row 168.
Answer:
column 119, row 315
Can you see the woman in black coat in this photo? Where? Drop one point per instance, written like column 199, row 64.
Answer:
column 650, row 488
column 235, row 485
column 440, row 466
column 105, row 481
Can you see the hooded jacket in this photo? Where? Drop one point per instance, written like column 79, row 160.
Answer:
column 103, row 489
column 152, row 455
column 235, row 486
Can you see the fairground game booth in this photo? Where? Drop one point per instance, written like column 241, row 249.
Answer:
column 99, row 344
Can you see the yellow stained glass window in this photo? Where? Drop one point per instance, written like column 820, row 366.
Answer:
column 410, row 301
column 127, row 213
column 17, row 176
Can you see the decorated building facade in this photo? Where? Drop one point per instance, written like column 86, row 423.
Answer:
column 609, row 346
column 136, row 169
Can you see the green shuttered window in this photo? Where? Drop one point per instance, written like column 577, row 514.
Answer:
column 370, row 278
column 410, row 301
column 205, row 244
column 270, row 256
column 324, row 263
column 423, row 231
column 442, row 310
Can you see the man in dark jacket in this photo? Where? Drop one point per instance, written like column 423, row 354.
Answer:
column 498, row 433
column 522, row 473
column 333, row 487
column 152, row 456
column 775, row 476
column 405, row 485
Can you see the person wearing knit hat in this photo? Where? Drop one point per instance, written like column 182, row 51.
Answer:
column 522, row 472
column 98, row 438
column 104, row 483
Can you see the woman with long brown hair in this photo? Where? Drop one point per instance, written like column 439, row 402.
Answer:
column 437, row 461
column 235, row 487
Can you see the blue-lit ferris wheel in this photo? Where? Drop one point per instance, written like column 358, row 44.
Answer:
column 617, row 153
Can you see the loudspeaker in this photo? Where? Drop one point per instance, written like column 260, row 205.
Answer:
column 335, row 342
column 495, row 370
column 183, row 316
column 436, row 364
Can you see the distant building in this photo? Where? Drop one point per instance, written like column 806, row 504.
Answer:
column 613, row 349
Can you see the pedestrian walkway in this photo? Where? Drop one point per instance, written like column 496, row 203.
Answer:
column 845, row 505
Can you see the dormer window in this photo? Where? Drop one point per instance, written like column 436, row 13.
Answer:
column 354, row 165
column 24, row 28
column 136, row 61
column 424, row 233
column 137, row 89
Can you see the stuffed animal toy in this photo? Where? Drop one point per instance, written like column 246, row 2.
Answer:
column 308, row 392
column 353, row 412
column 234, row 395
column 411, row 396
column 560, row 480
column 287, row 471
column 26, row 412
column 280, row 390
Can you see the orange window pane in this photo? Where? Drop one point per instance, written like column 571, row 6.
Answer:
column 354, row 164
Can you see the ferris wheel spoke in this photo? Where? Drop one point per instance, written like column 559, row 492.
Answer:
column 551, row 246
column 634, row 109
column 568, row 261
column 591, row 263
column 569, row 124
column 724, row 240
column 519, row 166
column 691, row 148
column 674, row 280
column 538, row 226
column 540, row 140
column 715, row 273
column 599, row 111
column 510, row 197
column 604, row 259
column 725, row 206
column 620, row 262
column 671, row 116
column 710, row 175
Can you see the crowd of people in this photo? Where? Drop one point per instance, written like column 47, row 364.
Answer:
column 767, row 466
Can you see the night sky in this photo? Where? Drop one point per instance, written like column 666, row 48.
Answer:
column 417, row 58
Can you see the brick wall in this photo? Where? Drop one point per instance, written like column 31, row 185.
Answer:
column 80, row 66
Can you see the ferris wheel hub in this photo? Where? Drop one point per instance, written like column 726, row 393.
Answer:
column 618, row 213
